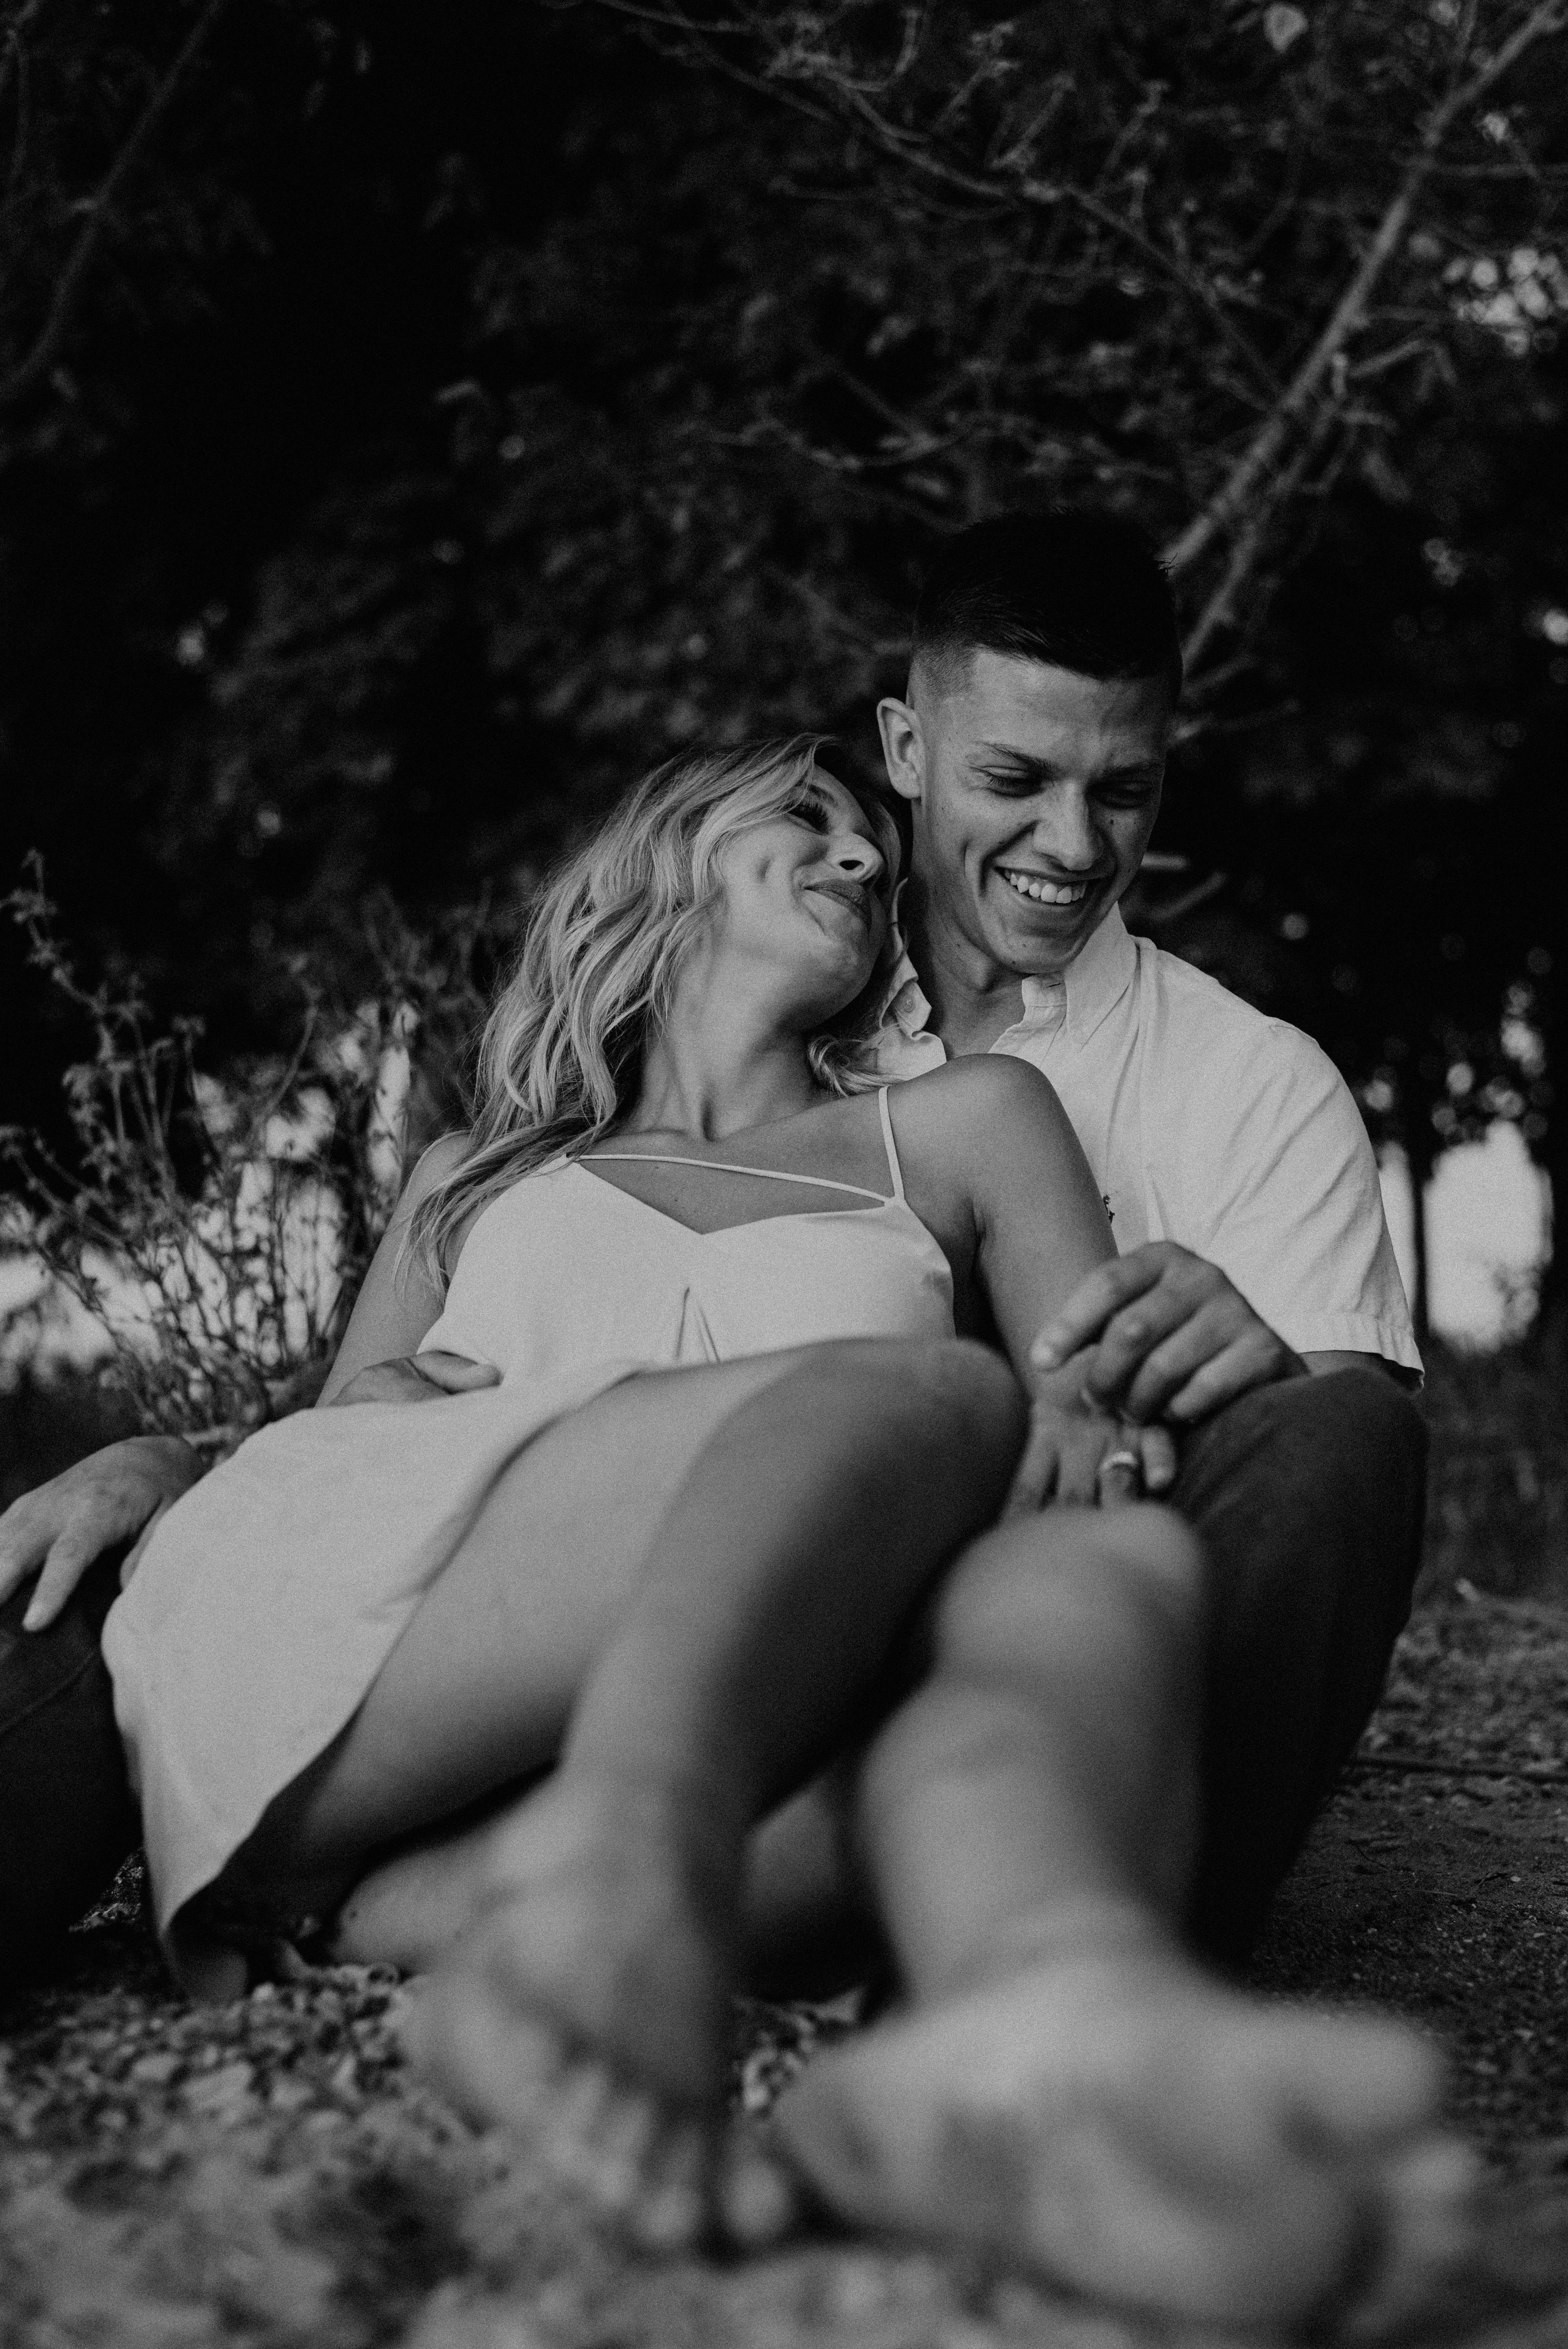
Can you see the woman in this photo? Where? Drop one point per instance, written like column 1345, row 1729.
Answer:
column 741, row 1431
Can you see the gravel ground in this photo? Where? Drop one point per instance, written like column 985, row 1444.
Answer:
column 271, row 2174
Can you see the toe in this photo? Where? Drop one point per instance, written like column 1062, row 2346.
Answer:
column 1429, row 2206
column 832, row 2126
column 671, row 2213
column 1358, row 2085
column 495, row 2063
column 612, row 2163
column 565, row 2126
column 757, row 2203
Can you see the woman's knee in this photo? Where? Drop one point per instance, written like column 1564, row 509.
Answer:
column 968, row 1416
column 969, row 1378
column 926, row 1389
column 1134, row 1577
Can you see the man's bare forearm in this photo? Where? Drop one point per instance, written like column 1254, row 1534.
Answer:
column 57, row 1531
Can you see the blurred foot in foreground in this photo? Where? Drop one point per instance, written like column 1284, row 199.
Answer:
column 1115, row 2122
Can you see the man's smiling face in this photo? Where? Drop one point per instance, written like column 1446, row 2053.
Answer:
column 1034, row 791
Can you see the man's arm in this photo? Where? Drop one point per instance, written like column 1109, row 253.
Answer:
column 1341, row 1358
column 1174, row 1339
column 1280, row 1265
column 57, row 1530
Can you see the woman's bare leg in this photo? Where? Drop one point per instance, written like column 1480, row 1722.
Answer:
column 477, row 1693
column 796, row 1551
column 1068, row 2088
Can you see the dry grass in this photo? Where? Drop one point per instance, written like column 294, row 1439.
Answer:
column 1497, row 1510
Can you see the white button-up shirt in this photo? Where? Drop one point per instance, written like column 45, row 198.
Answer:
column 1209, row 1123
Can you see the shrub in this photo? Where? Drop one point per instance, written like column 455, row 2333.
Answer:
column 1497, row 1511
column 215, row 1226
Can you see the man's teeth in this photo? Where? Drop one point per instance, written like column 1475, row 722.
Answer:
column 1046, row 893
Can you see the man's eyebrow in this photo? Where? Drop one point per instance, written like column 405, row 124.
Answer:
column 1029, row 762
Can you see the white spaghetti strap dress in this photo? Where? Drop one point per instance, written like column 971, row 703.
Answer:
column 270, row 1594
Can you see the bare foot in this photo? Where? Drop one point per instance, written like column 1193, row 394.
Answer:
column 587, row 2008
column 1124, row 2125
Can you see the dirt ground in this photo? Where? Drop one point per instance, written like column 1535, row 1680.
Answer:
column 273, row 2175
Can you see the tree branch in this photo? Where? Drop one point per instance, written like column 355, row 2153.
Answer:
column 35, row 368
column 27, row 15
column 1349, row 313
column 914, row 154
column 1220, row 608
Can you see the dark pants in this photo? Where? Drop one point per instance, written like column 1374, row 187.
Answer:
column 67, row 1817
column 1308, row 1498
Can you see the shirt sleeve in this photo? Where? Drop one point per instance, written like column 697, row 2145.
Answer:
column 1289, row 1204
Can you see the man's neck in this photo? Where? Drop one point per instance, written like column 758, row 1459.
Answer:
column 972, row 1000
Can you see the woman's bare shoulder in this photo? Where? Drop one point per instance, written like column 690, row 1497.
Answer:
column 442, row 1158
column 977, row 1092
column 970, row 1126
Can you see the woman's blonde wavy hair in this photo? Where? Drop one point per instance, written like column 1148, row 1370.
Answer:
column 561, row 1057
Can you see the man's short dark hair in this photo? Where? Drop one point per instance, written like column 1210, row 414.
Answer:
column 1083, row 591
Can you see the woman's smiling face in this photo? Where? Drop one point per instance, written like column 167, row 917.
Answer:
column 807, row 892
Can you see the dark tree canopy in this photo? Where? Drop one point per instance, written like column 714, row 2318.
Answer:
column 413, row 422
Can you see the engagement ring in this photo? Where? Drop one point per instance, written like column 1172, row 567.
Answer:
column 1118, row 1460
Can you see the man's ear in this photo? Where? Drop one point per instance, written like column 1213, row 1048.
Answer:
column 903, row 747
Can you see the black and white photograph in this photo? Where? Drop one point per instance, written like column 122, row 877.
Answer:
column 783, row 1455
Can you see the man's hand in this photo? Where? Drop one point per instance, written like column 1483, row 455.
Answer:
column 63, row 1526
column 1075, row 1451
column 1169, row 1336
column 417, row 1378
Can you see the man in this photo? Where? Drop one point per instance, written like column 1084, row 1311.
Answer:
column 1030, row 749
column 1256, row 1265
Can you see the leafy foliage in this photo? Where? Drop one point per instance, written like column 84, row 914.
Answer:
column 456, row 412
column 216, row 1229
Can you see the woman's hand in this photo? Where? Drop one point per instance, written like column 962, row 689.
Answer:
column 63, row 1526
column 417, row 1378
column 1076, row 1452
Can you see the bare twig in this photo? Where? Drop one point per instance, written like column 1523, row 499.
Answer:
column 25, row 18
column 1006, row 192
column 1047, row 196
column 1349, row 314
column 1160, row 917
column 1529, row 1774
column 35, row 368
column 1221, row 606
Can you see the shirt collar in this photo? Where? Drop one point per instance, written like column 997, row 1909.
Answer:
column 1094, row 982
column 905, row 1001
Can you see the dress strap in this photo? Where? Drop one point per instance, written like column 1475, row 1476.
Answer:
column 893, row 1168
column 720, row 1166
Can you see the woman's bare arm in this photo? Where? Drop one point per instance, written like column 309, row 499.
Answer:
column 1039, row 1227
column 1011, row 1176
column 1042, row 1223
column 396, row 1307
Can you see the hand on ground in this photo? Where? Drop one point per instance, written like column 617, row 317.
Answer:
column 62, row 1527
column 1167, row 1337
column 417, row 1378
